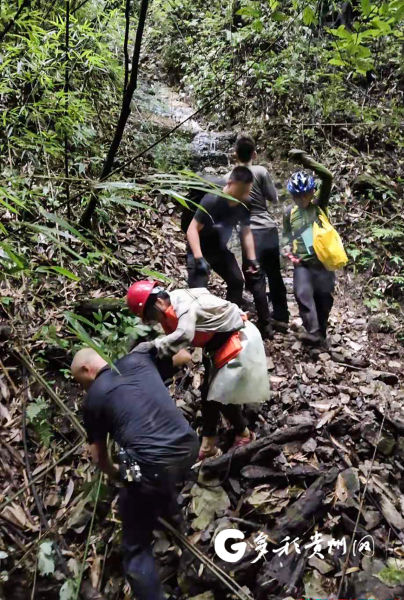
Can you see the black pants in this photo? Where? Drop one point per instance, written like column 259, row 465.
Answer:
column 267, row 249
column 313, row 287
column 140, row 506
column 211, row 410
column 224, row 263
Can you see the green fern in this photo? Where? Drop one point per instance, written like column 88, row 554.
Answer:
column 38, row 417
column 384, row 233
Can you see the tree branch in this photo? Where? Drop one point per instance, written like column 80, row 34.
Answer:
column 125, row 43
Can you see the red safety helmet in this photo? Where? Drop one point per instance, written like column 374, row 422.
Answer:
column 138, row 294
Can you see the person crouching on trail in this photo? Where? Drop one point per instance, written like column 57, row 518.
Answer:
column 313, row 285
column 157, row 449
column 234, row 355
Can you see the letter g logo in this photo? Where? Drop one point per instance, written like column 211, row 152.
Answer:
column 238, row 550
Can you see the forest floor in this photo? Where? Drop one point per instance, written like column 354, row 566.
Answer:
column 328, row 460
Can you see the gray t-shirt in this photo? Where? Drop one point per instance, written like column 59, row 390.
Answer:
column 263, row 190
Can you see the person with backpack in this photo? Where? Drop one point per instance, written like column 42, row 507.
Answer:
column 264, row 229
column 233, row 352
column 208, row 234
column 313, row 284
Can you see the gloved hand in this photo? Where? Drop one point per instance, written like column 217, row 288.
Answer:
column 201, row 266
column 144, row 347
column 296, row 154
column 251, row 266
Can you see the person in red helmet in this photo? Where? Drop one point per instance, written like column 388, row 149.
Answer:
column 234, row 355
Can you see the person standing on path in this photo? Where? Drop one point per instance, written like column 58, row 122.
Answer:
column 264, row 229
column 313, row 285
column 157, row 449
column 234, row 354
column 208, row 235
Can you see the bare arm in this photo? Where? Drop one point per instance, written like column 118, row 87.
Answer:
column 100, row 457
column 247, row 241
column 193, row 238
column 181, row 358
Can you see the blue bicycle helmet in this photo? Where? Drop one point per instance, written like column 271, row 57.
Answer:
column 300, row 183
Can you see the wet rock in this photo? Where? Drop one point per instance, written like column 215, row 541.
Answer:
column 366, row 586
column 211, row 148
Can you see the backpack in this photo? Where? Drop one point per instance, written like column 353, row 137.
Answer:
column 327, row 243
column 195, row 197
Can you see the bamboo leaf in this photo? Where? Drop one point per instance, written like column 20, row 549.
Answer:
column 60, row 271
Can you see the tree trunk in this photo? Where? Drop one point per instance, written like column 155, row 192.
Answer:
column 125, row 112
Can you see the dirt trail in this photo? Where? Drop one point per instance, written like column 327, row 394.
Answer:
column 306, row 472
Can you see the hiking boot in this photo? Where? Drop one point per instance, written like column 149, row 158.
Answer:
column 280, row 326
column 266, row 331
column 311, row 339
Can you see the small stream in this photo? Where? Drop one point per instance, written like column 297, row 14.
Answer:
column 164, row 108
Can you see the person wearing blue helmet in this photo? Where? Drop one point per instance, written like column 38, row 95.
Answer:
column 313, row 285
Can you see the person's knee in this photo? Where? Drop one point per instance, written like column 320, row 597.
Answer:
column 235, row 281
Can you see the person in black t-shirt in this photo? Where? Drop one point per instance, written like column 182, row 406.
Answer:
column 208, row 235
column 132, row 404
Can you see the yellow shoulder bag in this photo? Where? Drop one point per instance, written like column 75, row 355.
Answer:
column 328, row 245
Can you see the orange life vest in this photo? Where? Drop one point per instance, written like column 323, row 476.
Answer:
column 230, row 349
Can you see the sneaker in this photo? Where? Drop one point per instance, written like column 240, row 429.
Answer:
column 214, row 452
column 241, row 441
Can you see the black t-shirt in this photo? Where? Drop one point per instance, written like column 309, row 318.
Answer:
column 220, row 220
column 135, row 408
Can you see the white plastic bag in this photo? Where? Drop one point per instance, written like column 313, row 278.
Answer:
column 243, row 380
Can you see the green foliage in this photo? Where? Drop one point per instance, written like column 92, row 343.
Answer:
column 306, row 74
column 358, row 48
column 109, row 334
column 38, row 417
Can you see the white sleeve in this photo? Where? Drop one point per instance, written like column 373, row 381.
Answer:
column 168, row 345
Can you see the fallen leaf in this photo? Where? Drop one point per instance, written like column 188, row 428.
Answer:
column 206, row 503
column 46, row 563
column 69, row 492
